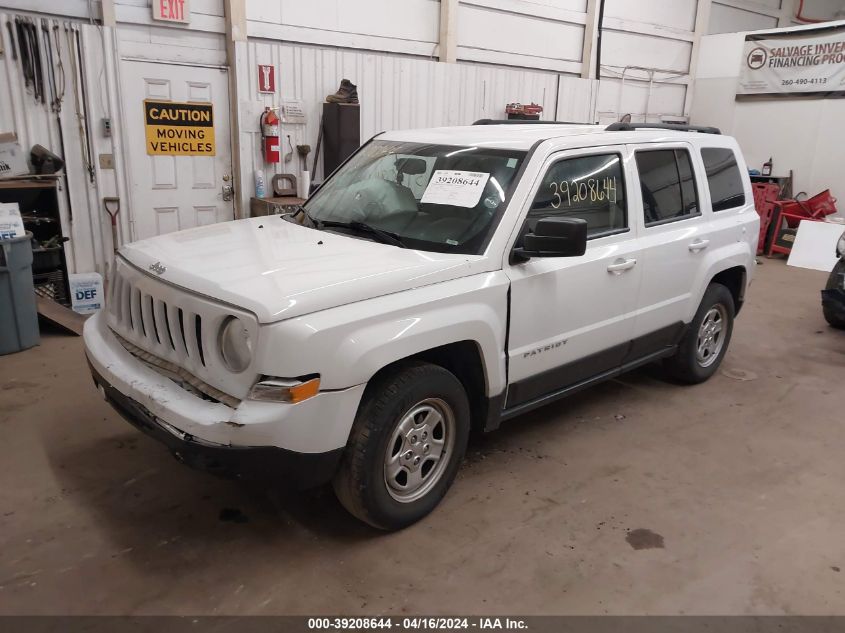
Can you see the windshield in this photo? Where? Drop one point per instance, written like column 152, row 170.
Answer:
column 433, row 197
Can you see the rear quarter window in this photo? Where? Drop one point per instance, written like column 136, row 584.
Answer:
column 723, row 178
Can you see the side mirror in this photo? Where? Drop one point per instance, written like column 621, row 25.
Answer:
column 555, row 237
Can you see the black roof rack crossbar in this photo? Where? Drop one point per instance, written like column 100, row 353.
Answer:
column 630, row 127
column 520, row 121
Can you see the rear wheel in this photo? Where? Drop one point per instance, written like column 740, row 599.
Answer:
column 406, row 445
column 835, row 317
column 704, row 345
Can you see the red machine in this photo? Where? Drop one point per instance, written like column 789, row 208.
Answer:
column 532, row 109
column 779, row 219
column 270, row 135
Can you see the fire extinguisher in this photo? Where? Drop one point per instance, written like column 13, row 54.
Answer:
column 270, row 134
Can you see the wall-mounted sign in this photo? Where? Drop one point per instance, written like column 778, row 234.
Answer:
column 171, row 10
column 266, row 78
column 805, row 62
column 293, row 111
column 179, row 129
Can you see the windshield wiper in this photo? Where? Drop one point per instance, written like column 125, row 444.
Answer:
column 299, row 209
column 385, row 237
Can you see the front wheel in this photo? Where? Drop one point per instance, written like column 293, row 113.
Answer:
column 406, row 445
column 706, row 341
column 833, row 313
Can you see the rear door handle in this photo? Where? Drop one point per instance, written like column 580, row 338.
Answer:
column 699, row 245
column 621, row 265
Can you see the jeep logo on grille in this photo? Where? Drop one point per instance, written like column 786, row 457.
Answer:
column 158, row 268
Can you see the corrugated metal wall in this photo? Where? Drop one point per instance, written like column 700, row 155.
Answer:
column 396, row 92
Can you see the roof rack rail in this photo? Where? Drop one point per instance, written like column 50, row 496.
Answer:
column 630, row 127
column 520, row 121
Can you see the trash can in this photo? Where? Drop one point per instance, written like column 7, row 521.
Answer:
column 18, row 315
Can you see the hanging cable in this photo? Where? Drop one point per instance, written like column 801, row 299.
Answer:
column 801, row 18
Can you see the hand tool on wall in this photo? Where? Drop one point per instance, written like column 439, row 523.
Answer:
column 30, row 57
column 77, row 77
column 36, row 57
column 12, row 40
column 84, row 83
column 26, row 59
column 61, row 93
column 108, row 202
column 48, row 52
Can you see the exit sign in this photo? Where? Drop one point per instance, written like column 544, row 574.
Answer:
column 171, row 10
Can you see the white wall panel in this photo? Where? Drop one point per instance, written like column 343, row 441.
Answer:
column 678, row 14
column 82, row 9
column 409, row 26
column 165, row 44
column 577, row 100
column 199, row 7
column 730, row 19
column 206, row 15
column 494, row 32
column 410, row 19
column 633, row 49
column 666, row 99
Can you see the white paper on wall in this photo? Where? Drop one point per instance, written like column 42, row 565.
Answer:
column 455, row 187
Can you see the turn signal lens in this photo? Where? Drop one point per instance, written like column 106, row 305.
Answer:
column 279, row 390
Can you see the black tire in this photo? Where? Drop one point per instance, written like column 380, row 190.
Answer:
column 361, row 481
column 685, row 365
column 834, row 317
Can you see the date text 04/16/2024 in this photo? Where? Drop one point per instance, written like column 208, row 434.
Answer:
column 415, row 623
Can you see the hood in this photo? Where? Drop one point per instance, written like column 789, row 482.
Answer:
column 279, row 270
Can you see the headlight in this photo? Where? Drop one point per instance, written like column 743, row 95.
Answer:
column 235, row 344
column 840, row 246
column 284, row 390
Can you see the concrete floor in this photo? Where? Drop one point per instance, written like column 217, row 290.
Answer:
column 635, row 497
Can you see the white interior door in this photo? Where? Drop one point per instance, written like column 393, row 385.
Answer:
column 172, row 192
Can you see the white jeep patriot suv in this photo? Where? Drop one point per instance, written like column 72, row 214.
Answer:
column 441, row 280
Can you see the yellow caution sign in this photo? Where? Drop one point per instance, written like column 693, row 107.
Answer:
column 179, row 129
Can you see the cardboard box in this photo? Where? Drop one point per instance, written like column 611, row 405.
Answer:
column 12, row 157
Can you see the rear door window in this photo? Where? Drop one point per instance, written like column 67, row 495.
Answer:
column 723, row 178
column 667, row 183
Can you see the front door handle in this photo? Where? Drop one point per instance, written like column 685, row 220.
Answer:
column 699, row 245
column 621, row 265
column 228, row 192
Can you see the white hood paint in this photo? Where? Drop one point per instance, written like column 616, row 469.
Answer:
column 279, row 270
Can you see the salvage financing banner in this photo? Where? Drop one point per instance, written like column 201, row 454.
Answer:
column 810, row 62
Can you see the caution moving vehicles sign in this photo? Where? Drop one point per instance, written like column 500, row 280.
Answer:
column 179, row 129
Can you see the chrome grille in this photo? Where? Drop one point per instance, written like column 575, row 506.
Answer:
column 176, row 326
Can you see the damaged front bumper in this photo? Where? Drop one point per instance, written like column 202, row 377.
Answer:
column 300, row 443
column 297, row 470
